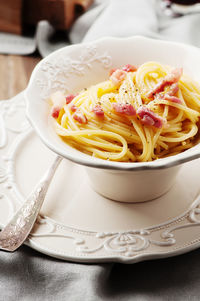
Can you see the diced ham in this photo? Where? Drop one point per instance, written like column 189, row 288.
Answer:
column 73, row 107
column 112, row 71
column 80, row 117
column 98, row 111
column 55, row 111
column 148, row 120
column 170, row 95
column 173, row 89
column 148, row 117
column 169, row 79
column 129, row 68
column 125, row 109
column 58, row 99
column 117, row 77
column 173, row 99
column 69, row 98
column 174, row 75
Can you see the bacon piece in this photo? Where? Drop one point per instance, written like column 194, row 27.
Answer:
column 125, row 109
column 73, row 107
column 174, row 75
column 117, row 77
column 58, row 99
column 55, row 111
column 69, row 98
column 170, row 95
column 172, row 98
column 129, row 68
column 80, row 117
column 169, row 79
column 98, row 111
column 173, row 89
column 150, row 118
column 112, row 71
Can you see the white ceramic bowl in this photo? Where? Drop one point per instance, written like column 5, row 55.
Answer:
column 74, row 67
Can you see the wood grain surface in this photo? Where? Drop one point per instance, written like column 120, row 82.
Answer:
column 60, row 13
column 15, row 15
column 11, row 16
column 15, row 72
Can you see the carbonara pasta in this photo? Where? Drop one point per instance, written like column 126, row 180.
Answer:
column 137, row 115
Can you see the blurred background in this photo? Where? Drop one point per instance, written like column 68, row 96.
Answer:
column 20, row 30
column 31, row 29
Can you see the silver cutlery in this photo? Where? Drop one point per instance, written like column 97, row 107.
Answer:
column 19, row 227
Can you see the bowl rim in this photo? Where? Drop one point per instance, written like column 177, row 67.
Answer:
column 88, row 160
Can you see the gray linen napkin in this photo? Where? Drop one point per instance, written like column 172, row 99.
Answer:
column 29, row 275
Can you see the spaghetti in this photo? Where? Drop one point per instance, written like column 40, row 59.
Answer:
column 137, row 115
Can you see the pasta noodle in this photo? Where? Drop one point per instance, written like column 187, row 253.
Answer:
column 137, row 115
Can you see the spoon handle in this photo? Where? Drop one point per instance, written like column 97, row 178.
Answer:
column 19, row 227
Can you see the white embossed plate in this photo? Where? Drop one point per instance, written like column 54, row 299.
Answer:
column 76, row 223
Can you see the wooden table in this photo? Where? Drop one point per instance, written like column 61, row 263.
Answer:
column 15, row 72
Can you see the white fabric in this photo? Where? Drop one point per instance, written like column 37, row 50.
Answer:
column 119, row 18
column 127, row 18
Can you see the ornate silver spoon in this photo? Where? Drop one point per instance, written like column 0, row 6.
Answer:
column 19, row 227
